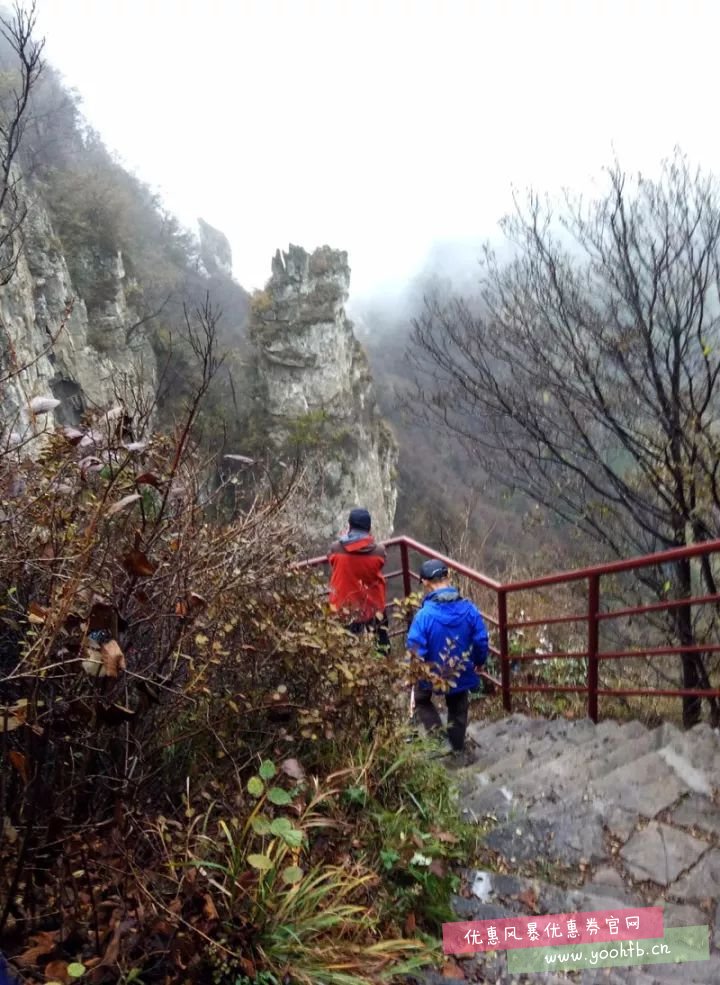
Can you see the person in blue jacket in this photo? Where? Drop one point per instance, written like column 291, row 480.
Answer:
column 449, row 634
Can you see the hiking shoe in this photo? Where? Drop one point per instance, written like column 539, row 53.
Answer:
column 460, row 758
column 444, row 750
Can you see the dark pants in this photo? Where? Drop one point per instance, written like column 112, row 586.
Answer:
column 377, row 626
column 457, row 708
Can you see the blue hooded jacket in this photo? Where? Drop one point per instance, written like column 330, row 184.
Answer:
column 449, row 633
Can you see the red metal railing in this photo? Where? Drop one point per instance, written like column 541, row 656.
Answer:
column 592, row 617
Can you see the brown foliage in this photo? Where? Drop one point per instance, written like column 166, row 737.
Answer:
column 148, row 658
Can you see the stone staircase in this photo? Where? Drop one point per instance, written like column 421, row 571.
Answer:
column 583, row 817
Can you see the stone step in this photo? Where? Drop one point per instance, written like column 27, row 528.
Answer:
column 695, row 755
column 528, row 750
column 567, row 776
column 645, row 785
column 494, row 734
column 556, row 789
column 563, row 775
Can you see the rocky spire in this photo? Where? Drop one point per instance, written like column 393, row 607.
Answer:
column 317, row 390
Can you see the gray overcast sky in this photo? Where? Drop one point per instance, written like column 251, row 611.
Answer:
column 381, row 126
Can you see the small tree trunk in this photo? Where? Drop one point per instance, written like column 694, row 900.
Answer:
column 691, row 678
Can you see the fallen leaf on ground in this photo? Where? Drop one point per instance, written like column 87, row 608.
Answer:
column 44, row 942
column 57, row 970
column 529, row 898
column 37, row 614
column 209, row 908
column 438, row 868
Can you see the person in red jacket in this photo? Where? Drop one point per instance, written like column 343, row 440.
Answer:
column 357, row 584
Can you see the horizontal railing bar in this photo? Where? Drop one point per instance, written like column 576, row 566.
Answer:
column 629, row 692
column 553, row 621
column 616, row 567
column 462, row 569
column 606, row 692
column 571, row 688
column 660, row 651
column 569, row 655
column 659, row 606
column 312, row 562
column 562, row 577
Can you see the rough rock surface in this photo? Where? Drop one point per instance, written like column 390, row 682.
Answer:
column 315, row 387
column 215, row 250
column 595, row 818
column 96, row 358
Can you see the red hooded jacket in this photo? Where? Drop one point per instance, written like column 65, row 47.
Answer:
column 357, row 585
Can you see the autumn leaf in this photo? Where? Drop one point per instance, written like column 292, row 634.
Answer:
column 147, row 479
column 137, row 563
column 529, row 898
column 121, row 504
column 452, row 970
column 410, row 925
column 13, row 721
column 19, row 761
column 37, row 614
column 438, row 868
column 209, row 908
column 58, row 971
column 248, row 967
column 190, row 605
column 113, row 658
column 43, row 943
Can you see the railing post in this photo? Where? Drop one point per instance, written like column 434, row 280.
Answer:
column 405, row 562
column 504, row 649
column 592, row 644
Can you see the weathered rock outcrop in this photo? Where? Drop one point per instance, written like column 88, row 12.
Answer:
column 92, row 361
column 215, row 250
column 316, row 391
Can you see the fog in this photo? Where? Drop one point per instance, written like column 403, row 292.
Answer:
column 394, row 130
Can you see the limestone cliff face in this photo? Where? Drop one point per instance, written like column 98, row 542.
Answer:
column 317, row 392
column 96, row 358
column 215, row 251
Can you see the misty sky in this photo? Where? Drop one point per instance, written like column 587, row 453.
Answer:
column 382, row 127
